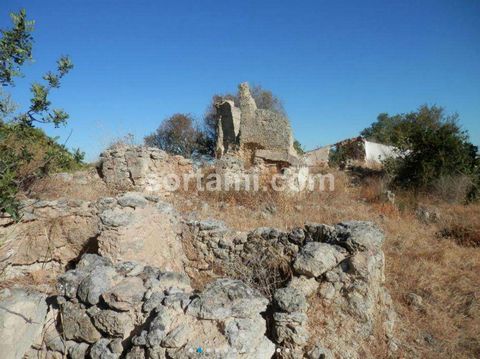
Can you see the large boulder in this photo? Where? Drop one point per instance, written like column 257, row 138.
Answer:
column 140, row 168
column 22, row 316
column 50, row 236
column 142, row 229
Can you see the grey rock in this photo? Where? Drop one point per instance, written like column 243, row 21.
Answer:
column 415, row 300
column 106, row 203
column 22, row 315
column 290, row 300
column 77, row 324
column 90, row 261
column 116, row 217
column 116, row 346
column 305, row 285
column 290, row 329
column 100, row 350
column 132, row 199
column 155, row 337
column 242, row 334
column 140, row 339
column 358, row 235
column 319, row 352
column 227, row 298
column 68, row 282
column 297, row 236
column 136, row 353
column 78, row 350
column 113, row 323
column 319, row 232
column 98, row 281
column 169, row 280
column 211, row 224
column 53, row 339
column 327, row 290
column 177, row 337
column 178, row 301
column 316, row 258
column 159, row 353
column 126, row 294
column 129, row 269
column 154, row 301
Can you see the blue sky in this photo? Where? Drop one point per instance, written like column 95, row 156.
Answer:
column 335, row 64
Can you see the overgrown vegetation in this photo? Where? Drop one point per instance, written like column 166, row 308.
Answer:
column 27, row 152
column 180, row 135
column 433, row 148
column 346, row 152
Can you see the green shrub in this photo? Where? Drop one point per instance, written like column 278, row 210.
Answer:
column 432, row 146
column 27, row 152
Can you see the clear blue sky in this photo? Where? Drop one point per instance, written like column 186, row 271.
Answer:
column 335, row 64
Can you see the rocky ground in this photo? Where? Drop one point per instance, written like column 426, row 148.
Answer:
column 133, row 274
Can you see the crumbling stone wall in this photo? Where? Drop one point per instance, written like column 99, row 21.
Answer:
column 140, row 168
column 133, row 303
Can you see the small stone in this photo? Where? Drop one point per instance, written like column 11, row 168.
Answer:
column 316, row 258
column 307, row 286
column 116, row 346
column 132, row 199
column 297, row 236
column 98, row 281
column 116, row 217
column 327, row 290
column 77, row 324
column 227, row 298
column 290, row 300
column 67, row 283
column 177, row 337
column 113, row 323
column 90, row 261
column 153, row 302
column 415, row 300
column 101, row 350
column 136, row 353
column 126, row 294
column 78, row 350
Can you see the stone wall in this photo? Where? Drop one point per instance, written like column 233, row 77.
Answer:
column 140, row 168
column 136, row 300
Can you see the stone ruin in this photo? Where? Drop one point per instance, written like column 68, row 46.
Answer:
column 121, row 299
column 253, row 134
column 253, row 141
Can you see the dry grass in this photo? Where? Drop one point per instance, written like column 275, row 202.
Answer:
column 444, row 272
column 85, row 185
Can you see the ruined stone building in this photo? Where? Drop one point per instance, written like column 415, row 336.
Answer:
column 252, row 134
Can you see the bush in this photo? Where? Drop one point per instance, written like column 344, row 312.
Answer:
column 453, row 188
column 27, row 152
column 431, row 146
column 178, row 135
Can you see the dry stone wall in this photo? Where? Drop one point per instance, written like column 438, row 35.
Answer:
column 122, row 304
